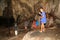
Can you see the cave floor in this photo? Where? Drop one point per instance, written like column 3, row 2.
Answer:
column 55, row 31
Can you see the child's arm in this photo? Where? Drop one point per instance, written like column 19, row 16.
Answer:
column 40, row 15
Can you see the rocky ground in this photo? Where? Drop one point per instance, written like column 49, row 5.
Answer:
column 52, row 33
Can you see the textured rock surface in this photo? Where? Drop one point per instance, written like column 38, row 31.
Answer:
column 48, row 35
column 28, row 8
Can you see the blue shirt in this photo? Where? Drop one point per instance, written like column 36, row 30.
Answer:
column 43, row 19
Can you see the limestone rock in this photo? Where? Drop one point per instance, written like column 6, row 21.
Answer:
column 36, row 35
column 29, row 8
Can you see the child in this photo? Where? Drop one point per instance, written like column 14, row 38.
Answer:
column 35, row 24
column 43, row 19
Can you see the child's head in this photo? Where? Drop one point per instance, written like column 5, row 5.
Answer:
column 41, row 9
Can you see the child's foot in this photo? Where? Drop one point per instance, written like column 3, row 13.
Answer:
column 41, row 31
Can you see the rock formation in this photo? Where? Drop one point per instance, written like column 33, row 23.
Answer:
column 36, row 35
column 29, row 8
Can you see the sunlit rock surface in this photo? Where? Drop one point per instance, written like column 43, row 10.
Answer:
column 36, row 35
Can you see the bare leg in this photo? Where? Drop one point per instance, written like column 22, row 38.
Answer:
column 42, row 27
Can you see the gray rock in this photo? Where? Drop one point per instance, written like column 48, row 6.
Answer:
column 36, row 35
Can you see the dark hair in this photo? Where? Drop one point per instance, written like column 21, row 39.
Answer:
column 39, row 14
column 41, row 7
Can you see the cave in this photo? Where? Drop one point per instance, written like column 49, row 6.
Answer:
column 16, row 12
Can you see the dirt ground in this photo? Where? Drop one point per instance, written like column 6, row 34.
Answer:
column 55, row 31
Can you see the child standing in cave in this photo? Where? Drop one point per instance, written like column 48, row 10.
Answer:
column 43, row 19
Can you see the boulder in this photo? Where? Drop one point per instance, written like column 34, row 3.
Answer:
column 36, row 35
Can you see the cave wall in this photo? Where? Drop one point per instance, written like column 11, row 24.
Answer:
column 28, row 8
column 23, row 7
column 2, row 6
